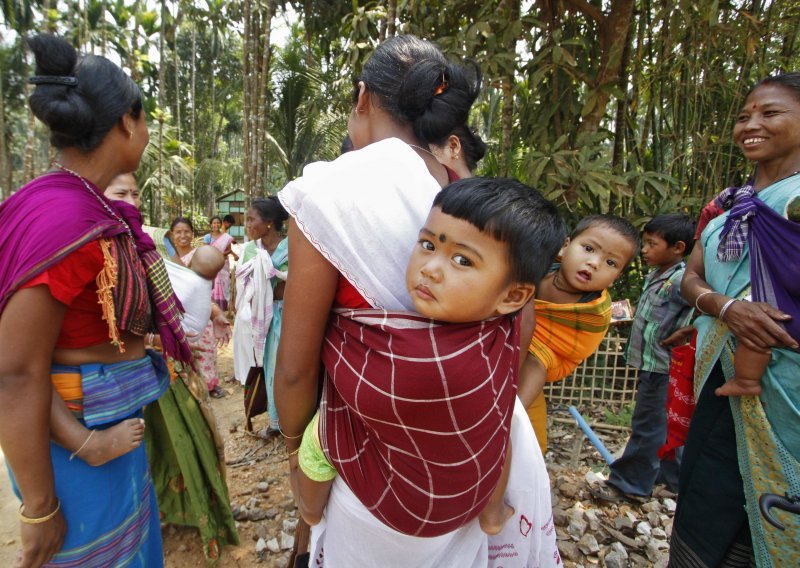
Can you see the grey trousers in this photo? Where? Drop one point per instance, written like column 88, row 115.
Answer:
column 639, row 468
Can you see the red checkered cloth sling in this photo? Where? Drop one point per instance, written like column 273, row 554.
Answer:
column 415, row 414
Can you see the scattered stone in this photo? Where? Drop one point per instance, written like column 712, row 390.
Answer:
column 617, row 557
column 591, row 517
column 261, row 546
column 620, row 549
column 559, row 517
column 634, row 519
column 261, row 532
column 273, row 546
column 570, row 550
column 245, row 492
column 670, row 505
column 644, row 528
column 615, row 560
column 262, row 487
column 640, row 561
column 10, row 541
column 654, row 519
column 651, row 506
column 287, row 541
column 591, row 478
column 623, row 523
column 252, row 503
column 668, row 527
column 288, row 505
column 659, row 534
column 588, row 544
column 576, row 528
column 568, row 489
column 257, row 514
column 233, row 428
column 652, row 551
column 182, row 548
column 289, row 525
column 272, row 512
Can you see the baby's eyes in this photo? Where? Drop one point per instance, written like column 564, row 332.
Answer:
column 426, row 244
column 462, row 260
column 588, row 248
column 611, row 263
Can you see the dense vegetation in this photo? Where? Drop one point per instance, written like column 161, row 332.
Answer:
column 605, row 105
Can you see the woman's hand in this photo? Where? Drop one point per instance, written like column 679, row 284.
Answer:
column 221, row 325
column 222, row 329
column 40, row 542
column 755, row 324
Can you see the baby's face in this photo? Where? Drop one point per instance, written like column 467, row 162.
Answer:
column 456, row 272
column 594, row 259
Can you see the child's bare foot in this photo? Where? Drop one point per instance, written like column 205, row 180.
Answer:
column 493, row 519
column 111, row 443
column 739, row 387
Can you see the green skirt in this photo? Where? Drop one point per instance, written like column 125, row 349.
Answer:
column 186, row 469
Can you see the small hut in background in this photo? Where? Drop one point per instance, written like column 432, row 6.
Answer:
column 232, row 203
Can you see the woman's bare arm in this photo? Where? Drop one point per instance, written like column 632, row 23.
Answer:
column 755, row 324
column 308, row 298
column 29, row 327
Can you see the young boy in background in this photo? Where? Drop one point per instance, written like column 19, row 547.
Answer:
column 660, row 313
column 573, row 308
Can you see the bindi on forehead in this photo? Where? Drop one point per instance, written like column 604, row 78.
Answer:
column 442, row 238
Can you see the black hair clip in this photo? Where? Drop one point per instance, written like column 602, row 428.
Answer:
column 53, row 80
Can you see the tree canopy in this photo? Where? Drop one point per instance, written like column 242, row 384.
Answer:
column 621, row 106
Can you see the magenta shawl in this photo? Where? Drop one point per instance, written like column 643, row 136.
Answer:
column 56, row 215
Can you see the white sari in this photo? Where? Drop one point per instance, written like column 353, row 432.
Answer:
column 253, row 308
column 363, row 212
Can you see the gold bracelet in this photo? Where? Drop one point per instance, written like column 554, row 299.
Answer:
column 294, row 453
column 290, row 437
column 40, row 520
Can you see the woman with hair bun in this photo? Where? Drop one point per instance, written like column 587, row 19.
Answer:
column 75, row 305
column 349, row 244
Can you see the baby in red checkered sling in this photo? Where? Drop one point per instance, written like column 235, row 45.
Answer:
column 441, row 456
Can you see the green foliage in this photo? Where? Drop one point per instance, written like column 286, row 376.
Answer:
column 620, row 418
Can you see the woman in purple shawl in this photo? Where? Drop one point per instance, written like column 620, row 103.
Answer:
column 75, row 305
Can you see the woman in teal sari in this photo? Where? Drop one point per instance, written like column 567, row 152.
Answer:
column 741, row 449
column 260, row 279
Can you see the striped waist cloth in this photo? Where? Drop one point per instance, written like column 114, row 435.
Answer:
column 100, row 394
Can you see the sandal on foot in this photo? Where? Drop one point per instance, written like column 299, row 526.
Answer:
column 610, row 494
column 216, row 392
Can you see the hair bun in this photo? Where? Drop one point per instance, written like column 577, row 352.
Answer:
column 448, row 107
column 54, row 55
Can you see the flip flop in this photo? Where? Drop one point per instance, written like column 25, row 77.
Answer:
column 610, row 494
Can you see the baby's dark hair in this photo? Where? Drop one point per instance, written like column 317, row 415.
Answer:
column 229, row 219
column 79, row 114
column 512, row 213
column 617, row 224
column 672, row 228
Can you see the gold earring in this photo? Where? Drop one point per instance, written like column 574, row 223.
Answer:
column 130, row 134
